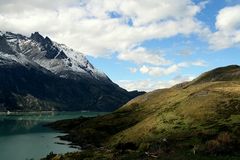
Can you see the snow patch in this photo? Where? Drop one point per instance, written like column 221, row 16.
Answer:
column 30, row 51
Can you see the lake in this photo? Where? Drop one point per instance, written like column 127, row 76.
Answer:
column 23, row 137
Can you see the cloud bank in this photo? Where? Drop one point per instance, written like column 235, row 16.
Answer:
column 150, row 85
column 103, row 27
column 228, row 28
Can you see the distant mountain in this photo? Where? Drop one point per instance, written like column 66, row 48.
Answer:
column 37, row 74
column 194, row 120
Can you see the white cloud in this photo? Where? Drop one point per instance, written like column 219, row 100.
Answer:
column 157, row 10
column 185, row 52
column 200, row 63
column 13, row 6
column 141, row 56
column 144, row 69
column 163, row 71
column 150, row 85
column 228, row 28
column 86, row 25
column 228, row 19
column 133, row 70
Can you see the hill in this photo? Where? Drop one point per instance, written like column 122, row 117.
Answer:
column 195, row 120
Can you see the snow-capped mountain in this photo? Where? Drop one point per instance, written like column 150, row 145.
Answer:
column 37, row 74
column 57, row 58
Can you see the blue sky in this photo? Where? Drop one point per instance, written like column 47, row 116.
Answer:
column 139, row 44
column 197, row 48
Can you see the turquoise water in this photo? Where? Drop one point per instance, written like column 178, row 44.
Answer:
column 23, row 137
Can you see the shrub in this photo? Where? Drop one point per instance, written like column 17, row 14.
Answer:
column 212, row 146
column 224, row 138
column 221, row 145
column 126, row 146
column 144, row 146
column 134, row 105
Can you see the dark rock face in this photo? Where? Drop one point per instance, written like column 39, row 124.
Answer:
column 51, row 51
column 37, row 37
column 4, row 46
column 30, row 87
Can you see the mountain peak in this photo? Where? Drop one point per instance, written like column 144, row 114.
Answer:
column 57, row 58
column 1, row 33
column 38, row 74
column 37, row 37
column 4, row 45
column 48, row 41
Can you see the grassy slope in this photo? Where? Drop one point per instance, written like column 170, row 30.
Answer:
column 202, row 116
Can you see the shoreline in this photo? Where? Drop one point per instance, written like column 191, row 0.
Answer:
column 26, row 113
column 19, row 112
column 44, row 112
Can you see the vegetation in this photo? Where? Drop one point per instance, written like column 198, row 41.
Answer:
column 195, row 120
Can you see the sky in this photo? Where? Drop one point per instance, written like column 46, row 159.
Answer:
column 140, row 44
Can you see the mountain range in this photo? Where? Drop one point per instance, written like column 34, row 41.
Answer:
column 38, row 74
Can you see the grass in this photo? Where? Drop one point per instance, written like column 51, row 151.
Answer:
column 174, row 123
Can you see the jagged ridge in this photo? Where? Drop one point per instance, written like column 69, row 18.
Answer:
column 39, row 74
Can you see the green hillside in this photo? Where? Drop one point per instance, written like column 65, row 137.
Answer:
column 195, row 120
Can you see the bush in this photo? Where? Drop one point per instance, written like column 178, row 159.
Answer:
column 144, row 146
column 134, row 105
column 212, row 146
column 221, row 145
column 224, row 138
column 126, row 146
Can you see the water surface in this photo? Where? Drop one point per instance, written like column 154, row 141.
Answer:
column 22, row 136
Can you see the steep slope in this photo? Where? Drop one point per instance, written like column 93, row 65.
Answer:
column 37, row 74
column 197, row 121
column 52, row 56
